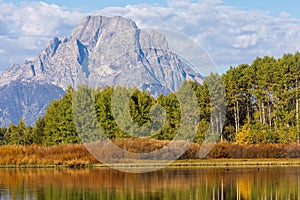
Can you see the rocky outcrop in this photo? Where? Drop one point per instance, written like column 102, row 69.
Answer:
column 26, row 100
column 100, row 51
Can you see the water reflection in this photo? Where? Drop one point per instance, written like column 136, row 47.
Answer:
column 171, row 183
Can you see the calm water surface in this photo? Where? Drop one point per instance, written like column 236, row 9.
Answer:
column 169, row 183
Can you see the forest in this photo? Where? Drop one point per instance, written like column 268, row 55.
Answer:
column 262, row 106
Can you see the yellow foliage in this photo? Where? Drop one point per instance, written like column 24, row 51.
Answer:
column 244, row 137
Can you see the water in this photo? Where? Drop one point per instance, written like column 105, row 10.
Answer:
column 170, row 183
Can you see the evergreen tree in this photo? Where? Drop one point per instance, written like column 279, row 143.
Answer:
column 59, row 122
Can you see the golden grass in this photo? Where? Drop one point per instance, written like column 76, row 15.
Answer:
column 71, row 154
column 78, row 155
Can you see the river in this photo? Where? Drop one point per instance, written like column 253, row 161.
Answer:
column 168, row 183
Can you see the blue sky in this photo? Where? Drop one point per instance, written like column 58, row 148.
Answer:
column 91, row 5
column 276, row 7
column 231, row 31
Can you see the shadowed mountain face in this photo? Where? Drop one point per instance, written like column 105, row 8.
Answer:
column 26, row 100
column 100, row 51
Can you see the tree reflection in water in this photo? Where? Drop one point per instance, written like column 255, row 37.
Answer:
column 169, row 183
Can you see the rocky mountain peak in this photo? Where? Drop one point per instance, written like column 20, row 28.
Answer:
column 92, row 27
column 100, row 51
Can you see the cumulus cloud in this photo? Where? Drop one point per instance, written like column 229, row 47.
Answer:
column 230, row 35
column 26, row 28
column 39, row 19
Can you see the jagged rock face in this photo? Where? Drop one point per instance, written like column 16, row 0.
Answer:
column 26, row 100
column 100, row 51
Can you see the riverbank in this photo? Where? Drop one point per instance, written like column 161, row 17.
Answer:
column 227, row 163
column 223, row 154
column 211, row 163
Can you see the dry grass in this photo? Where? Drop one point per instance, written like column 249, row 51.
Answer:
column 71, row 154
column 78, row 155
column 227, row 150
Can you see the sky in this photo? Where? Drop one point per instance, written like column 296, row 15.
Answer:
column 232, row 32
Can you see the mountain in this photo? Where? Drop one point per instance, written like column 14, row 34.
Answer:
column 100, row 51
column 26, row 100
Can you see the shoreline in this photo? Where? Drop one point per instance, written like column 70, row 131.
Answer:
column 193, row 163
column 77, row 156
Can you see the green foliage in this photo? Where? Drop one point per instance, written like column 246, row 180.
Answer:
column 3, row 136
column 262, row 106
column 105, row 116
column 19, row 134
column 38, row 131
column 264, row 97
column 59, row 125
column 84, row 113
column 171, row 106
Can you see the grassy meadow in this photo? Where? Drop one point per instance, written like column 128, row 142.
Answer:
column 76, row 155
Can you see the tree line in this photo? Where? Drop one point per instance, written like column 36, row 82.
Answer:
column 263, row 100
column 262, row 106
column 59, row 125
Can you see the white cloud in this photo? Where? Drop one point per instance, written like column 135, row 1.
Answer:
column 42, row 19
column 231, row 36
column 26, row 28
column 245, row 41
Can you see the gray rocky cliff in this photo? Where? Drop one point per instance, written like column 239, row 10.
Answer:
column 100, row 51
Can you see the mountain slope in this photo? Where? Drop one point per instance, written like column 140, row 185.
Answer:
column 100, row 51
column 26, row 100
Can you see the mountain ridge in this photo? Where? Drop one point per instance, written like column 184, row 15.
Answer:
column 100, row 51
